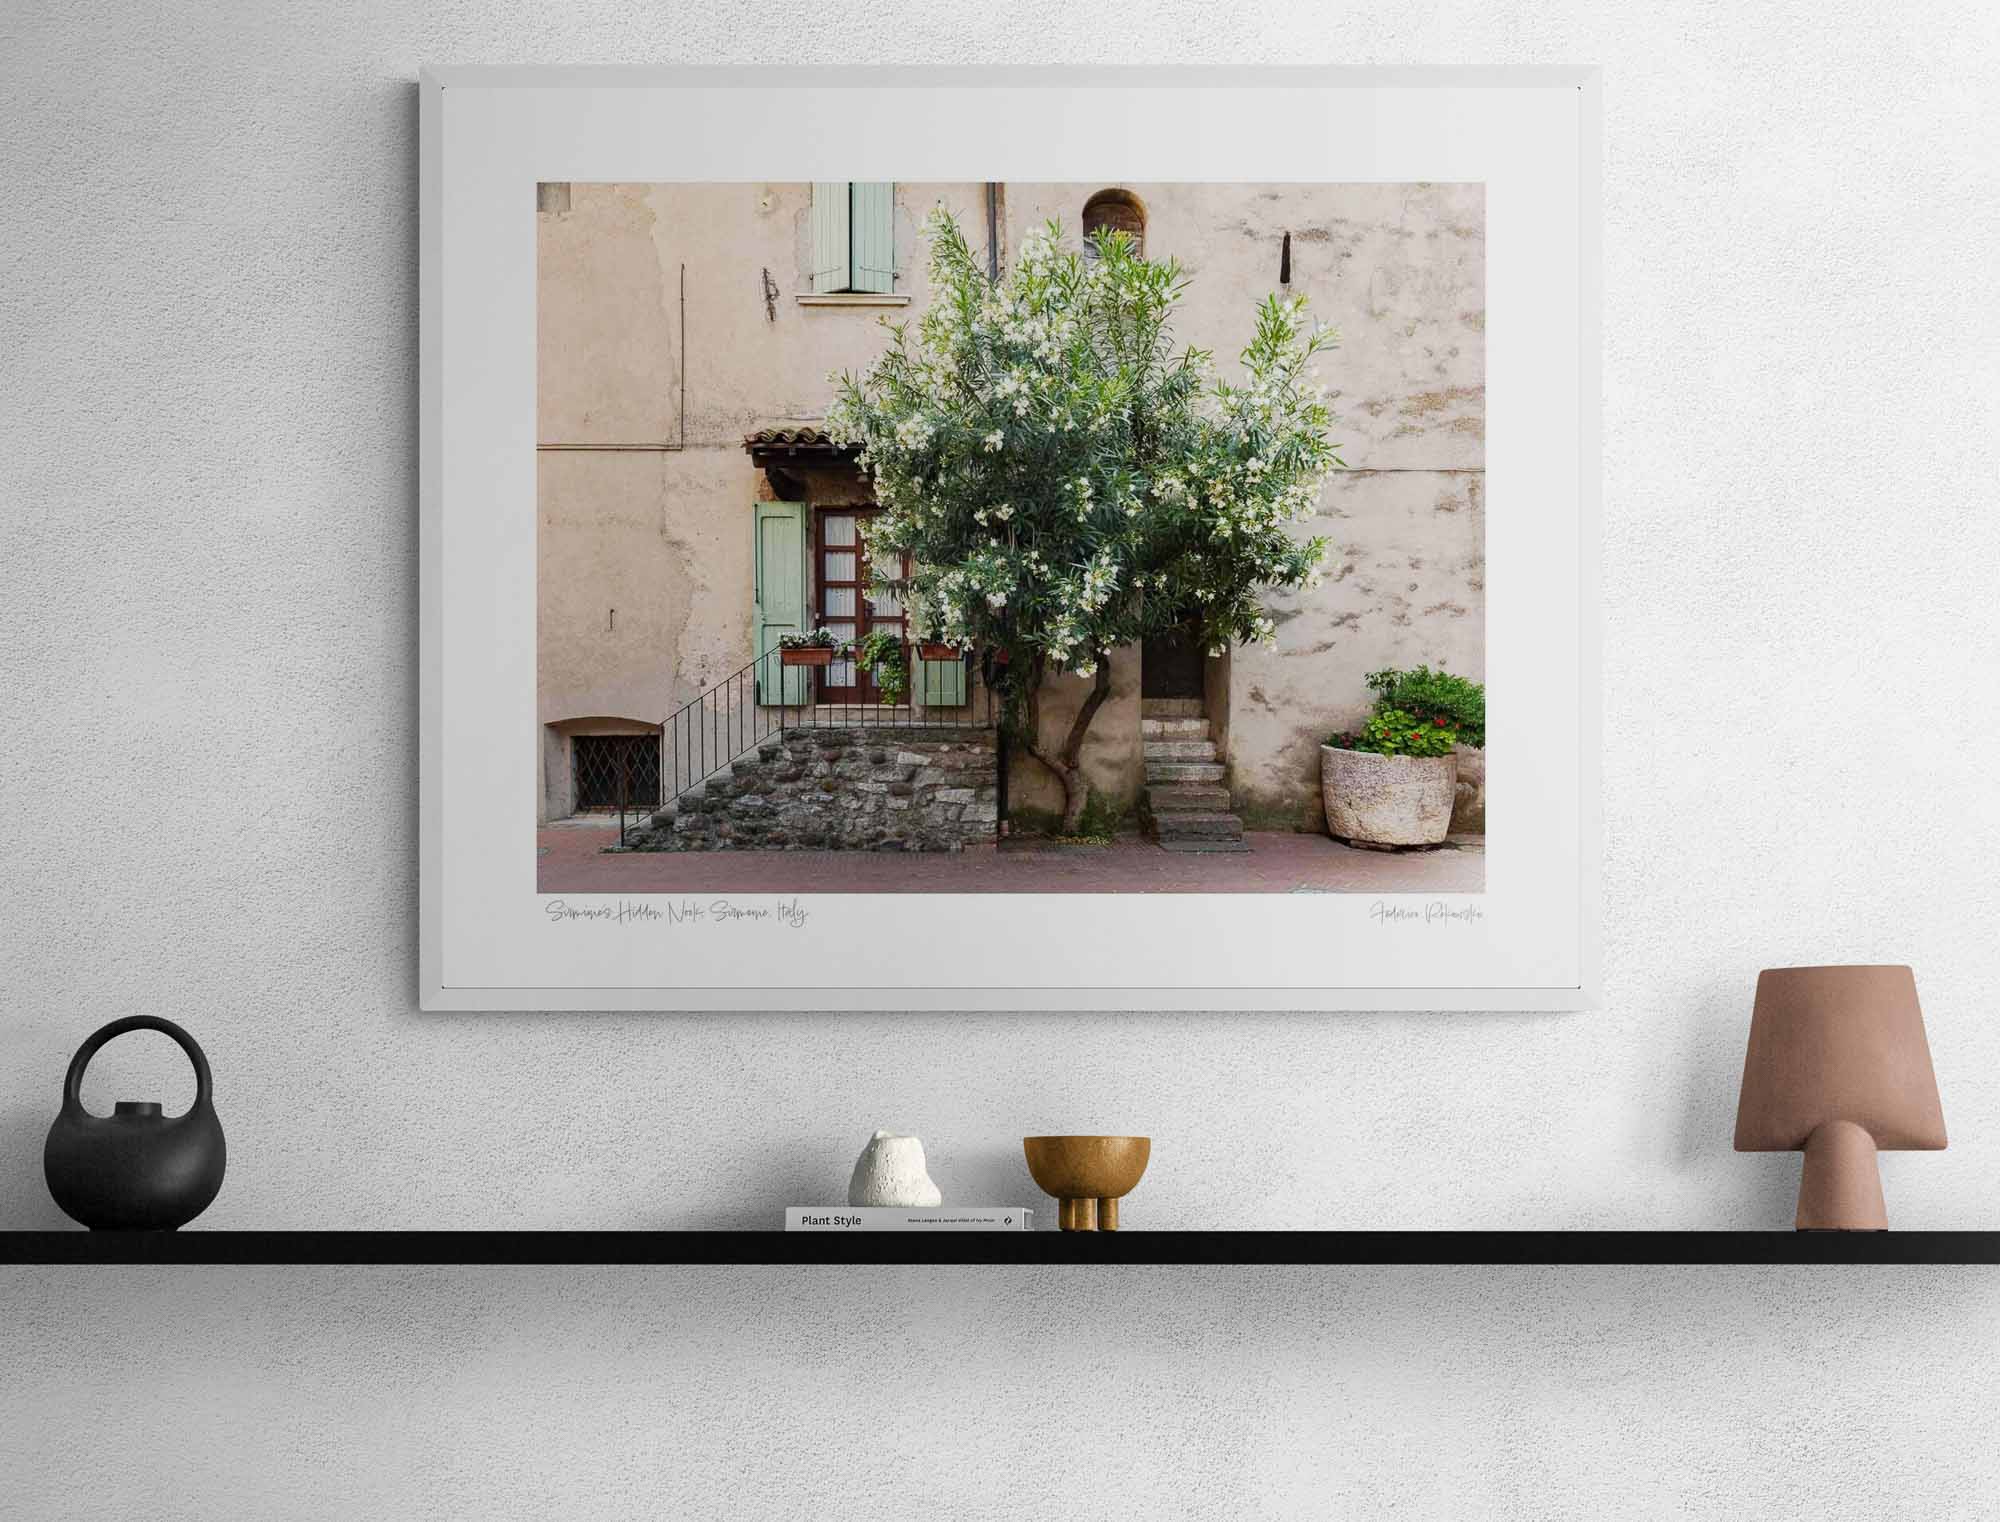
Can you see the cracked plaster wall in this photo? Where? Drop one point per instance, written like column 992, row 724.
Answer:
column 662, row 537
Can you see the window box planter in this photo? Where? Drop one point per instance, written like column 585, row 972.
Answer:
column 806, row 655
column 930, row 652
column 1387, row 800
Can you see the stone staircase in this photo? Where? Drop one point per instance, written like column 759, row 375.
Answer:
column 859, row 788
column 1185, row 804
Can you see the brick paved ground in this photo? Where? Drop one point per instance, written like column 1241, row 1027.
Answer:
column 573, row 861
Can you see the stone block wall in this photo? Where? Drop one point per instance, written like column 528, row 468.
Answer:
column 844, row 790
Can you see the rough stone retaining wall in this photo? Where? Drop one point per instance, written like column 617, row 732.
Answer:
column 844, row 789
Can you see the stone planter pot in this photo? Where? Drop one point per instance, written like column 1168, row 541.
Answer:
column 1387, row 800
column 806, row 655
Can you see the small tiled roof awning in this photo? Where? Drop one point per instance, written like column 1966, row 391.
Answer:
column 779, row 446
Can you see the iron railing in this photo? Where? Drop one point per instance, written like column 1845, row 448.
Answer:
column 767, row 697
column 641, row 793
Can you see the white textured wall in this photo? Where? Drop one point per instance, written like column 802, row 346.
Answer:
column 1003, row 1394
column 207, row 439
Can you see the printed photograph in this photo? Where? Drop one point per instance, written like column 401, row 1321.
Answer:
column 1010, row 538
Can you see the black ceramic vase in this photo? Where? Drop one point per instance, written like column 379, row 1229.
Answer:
column 135, row 1169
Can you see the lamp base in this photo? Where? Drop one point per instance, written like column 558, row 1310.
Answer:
column 1841, row 1187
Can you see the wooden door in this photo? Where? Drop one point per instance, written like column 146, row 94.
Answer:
column 1171, row 665
column 845, row 608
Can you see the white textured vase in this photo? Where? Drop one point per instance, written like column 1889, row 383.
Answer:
column 1387, row 800
column 891, row 1171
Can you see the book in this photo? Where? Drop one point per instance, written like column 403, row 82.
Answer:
column 910, row 1218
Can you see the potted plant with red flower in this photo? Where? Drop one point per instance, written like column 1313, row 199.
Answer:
column 1394, row 783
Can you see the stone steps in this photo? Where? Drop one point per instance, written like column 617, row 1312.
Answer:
column 1185, row 806
column 1180, row 750
column 930, row 788
column 1186, row 798
column 1193, row 826
column 1184, row 771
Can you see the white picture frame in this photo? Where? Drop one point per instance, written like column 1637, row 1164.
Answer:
column 488, row 940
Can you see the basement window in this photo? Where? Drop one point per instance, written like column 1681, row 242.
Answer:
column 613, row 771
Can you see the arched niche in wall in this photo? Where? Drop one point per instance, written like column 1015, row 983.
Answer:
column 596, row 762
column 1114, row 211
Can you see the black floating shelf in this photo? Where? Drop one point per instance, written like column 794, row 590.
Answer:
column 1358, row 1249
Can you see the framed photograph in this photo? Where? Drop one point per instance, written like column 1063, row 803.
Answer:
column 1061, row 563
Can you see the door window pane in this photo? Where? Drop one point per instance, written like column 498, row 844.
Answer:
column 848, row 607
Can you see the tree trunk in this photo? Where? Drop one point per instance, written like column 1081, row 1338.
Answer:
column 1066, row 763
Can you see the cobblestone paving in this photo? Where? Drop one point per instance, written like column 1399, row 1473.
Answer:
column 573, row 861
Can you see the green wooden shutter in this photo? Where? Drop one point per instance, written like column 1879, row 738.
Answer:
column 779, row 551
column 873, row 215
column 940, row 684
column 832, row 250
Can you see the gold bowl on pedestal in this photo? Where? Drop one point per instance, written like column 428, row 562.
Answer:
column 1088, row 1174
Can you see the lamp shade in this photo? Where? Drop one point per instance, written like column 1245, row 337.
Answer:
column 1838, row 1067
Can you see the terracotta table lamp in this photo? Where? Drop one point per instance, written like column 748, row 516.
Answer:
column 1838, row 1068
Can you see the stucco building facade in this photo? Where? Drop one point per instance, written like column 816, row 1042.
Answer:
column 677, row 320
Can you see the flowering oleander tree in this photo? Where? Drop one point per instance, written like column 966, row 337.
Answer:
column 1066, row 480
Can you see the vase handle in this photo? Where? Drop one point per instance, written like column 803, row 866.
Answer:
column 73, row 1081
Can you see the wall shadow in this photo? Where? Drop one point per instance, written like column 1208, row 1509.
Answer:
column 24, row 1194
